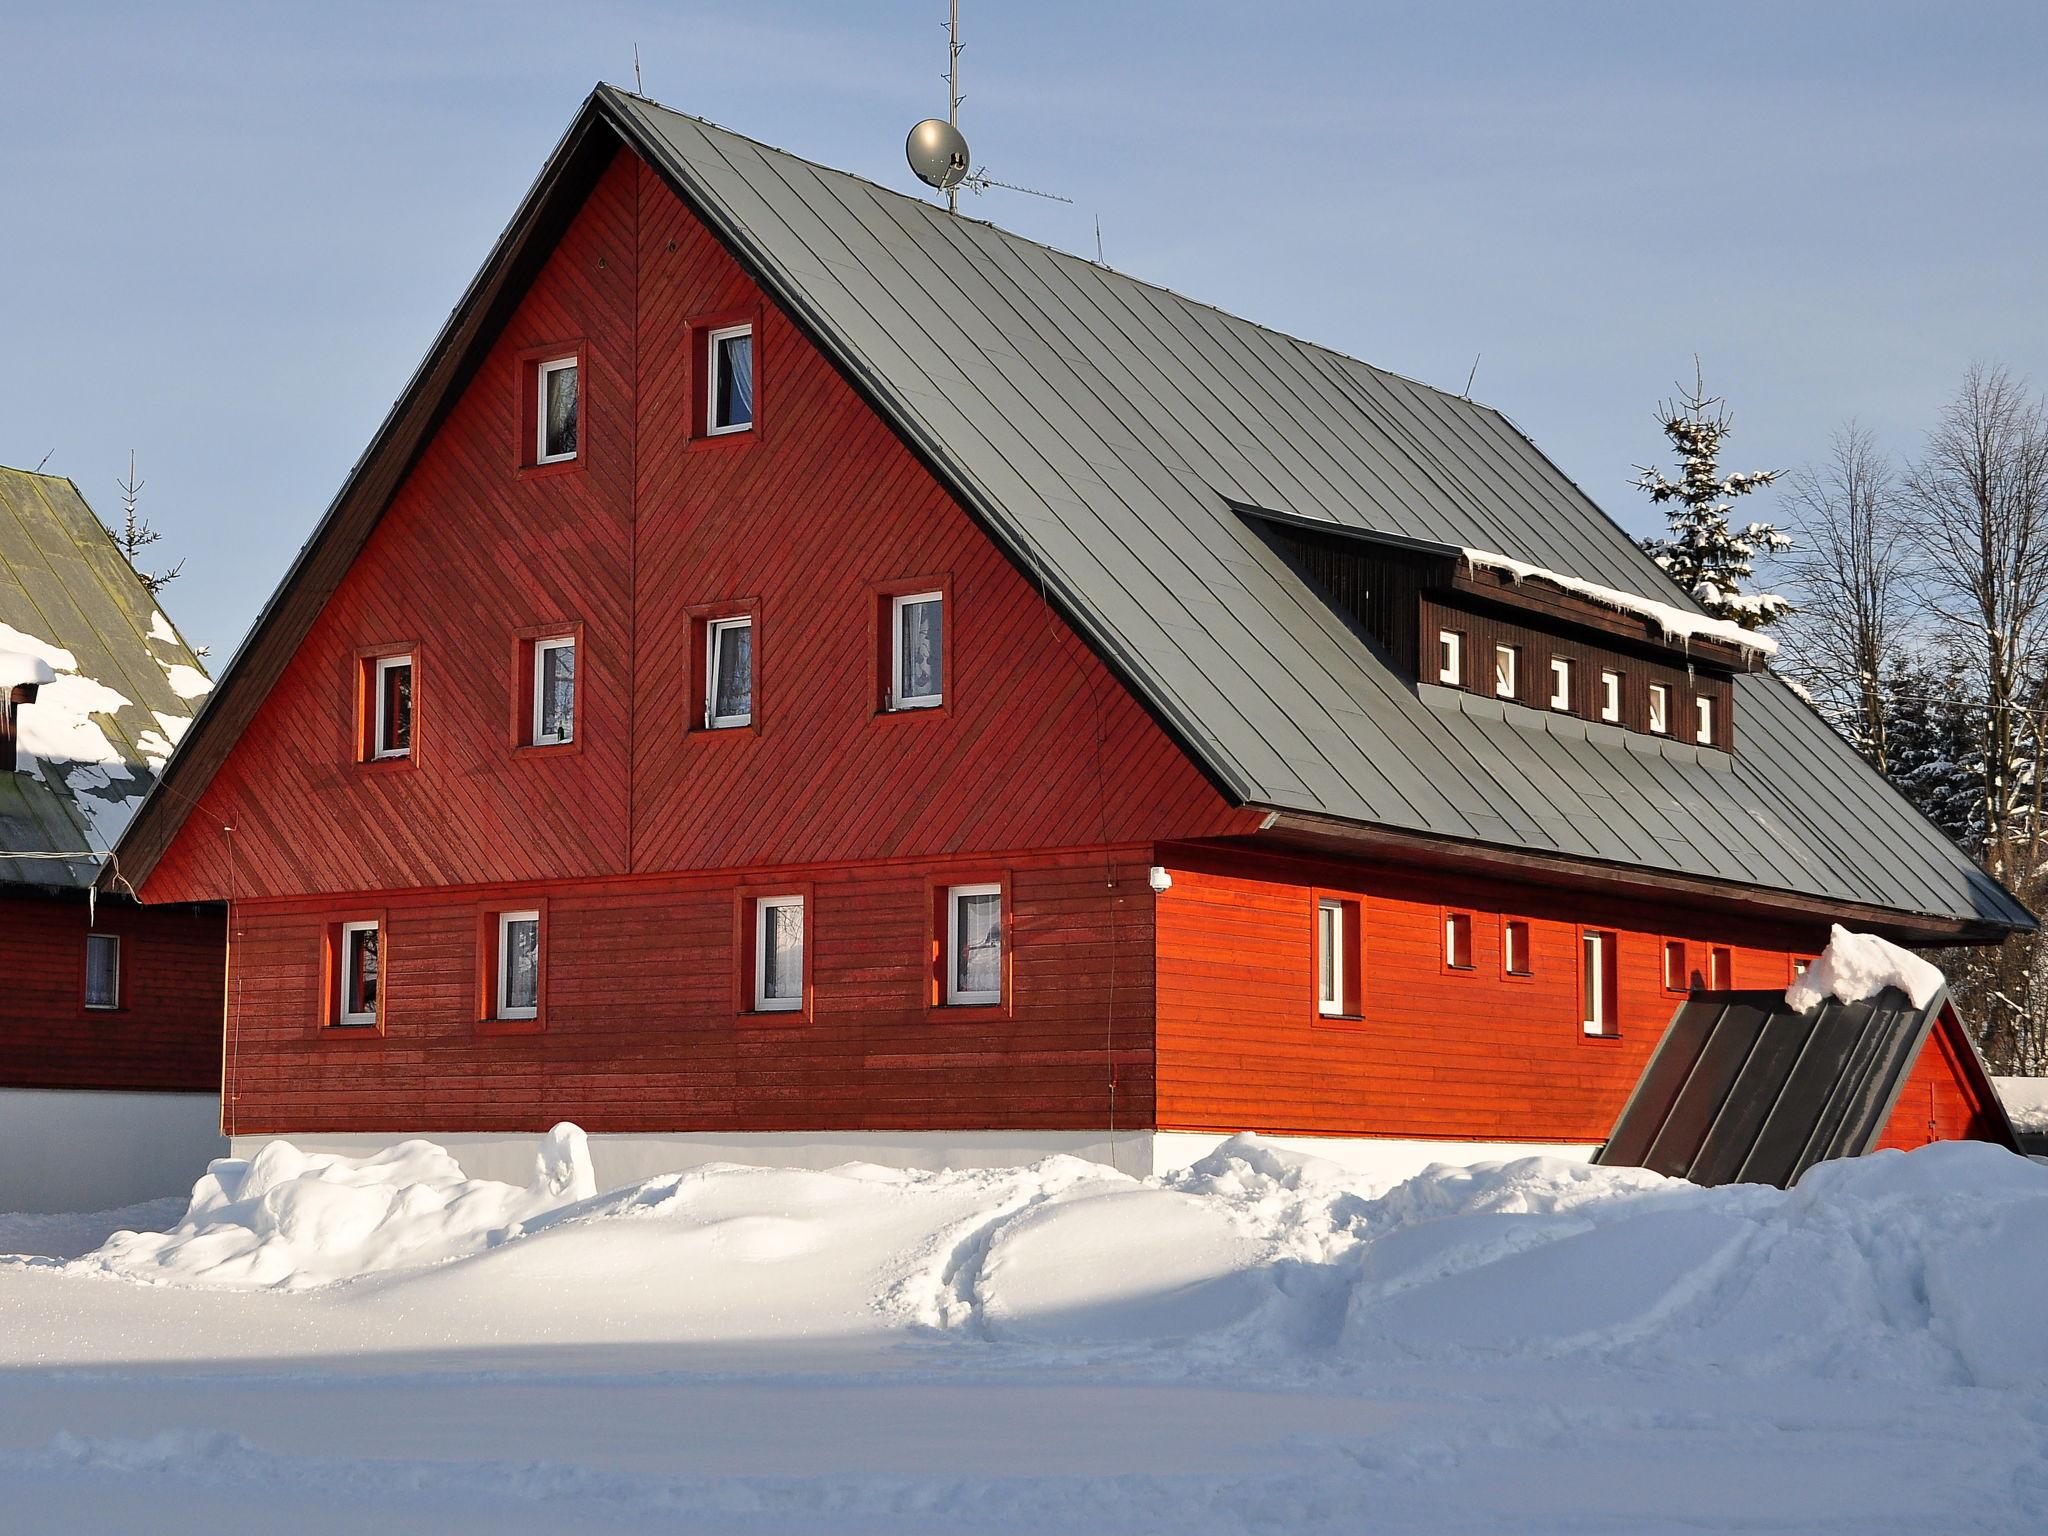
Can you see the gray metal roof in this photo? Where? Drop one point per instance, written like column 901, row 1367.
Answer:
column 1102, row 428
column 94, row 739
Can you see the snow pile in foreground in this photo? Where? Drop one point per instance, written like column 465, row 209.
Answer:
column 1922, row 1267
column 1857, row 966
column 289, row 1219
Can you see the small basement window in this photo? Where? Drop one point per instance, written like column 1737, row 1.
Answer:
column 778, row 953
column 102, row 970
column 554, row 691
column 916, row 643
column 556, row 412
column 974, row 944
column 1598, row 979
column 731, row 368
column 357, row 1005
column 391, row 706
column 1660, row 709
column 1515, row 952
column 1507, row 671
column 1458, row 940
column 1610, row 697
column 1450, row 657
column 518, row 979
column 728, row 673
column 1703, row 730
column 1560, row 682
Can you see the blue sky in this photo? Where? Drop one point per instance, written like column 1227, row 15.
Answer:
column 234, row 228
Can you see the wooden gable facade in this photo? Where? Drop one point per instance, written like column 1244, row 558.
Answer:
column 643, row 846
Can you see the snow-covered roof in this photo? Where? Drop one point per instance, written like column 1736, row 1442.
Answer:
column 116, row 685
column 1674, row 623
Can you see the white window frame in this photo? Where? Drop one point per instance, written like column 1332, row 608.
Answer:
column 711, row 426
column 1508, row 956
column 343, row 1015
column 1451, row 961
column 1450, row 653
column 1703, row 715
column 1512, row 687
column 103, row 938
column 540, row 425
column 542, row 738
column 763, row 1003
column 1560, row 682
column 1660, row 709
column 1597, row 1005
column 1610, row 696
column 897, row 698
column 500, row 1009
column 378, row 751
column 715, row 631
column 1330, row 952
column 955, row 993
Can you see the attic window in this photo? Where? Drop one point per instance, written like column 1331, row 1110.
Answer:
column 1507, row 671
column 1560, row 682
column 556, row 412
column 554, row 691
column 1703, row 732
column 1450, row 657
column 1610, row 697
column 731, row 392
column 1660, row 709
column 916, row 650
column 390, row 712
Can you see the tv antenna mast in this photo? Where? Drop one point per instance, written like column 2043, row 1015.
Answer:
column 938, row 151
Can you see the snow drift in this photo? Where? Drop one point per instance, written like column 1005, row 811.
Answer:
column 1857, row 966
column 1919, row 1267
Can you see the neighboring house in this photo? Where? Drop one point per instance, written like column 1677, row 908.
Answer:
column 109, row 1011
column 799, row 675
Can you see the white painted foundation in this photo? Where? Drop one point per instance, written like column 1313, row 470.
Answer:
column 69, row 1149
column 624, row 1160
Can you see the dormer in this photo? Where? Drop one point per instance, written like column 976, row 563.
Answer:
column 1485, row 624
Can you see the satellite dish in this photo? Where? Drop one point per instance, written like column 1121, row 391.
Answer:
column 938, row 154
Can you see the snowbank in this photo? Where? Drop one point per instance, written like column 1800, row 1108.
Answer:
column 1673, row 622
column 1857, row 966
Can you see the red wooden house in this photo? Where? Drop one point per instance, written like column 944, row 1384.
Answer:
column 801, row 675
column 109, row 1011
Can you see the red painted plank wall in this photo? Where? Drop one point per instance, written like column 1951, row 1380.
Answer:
column 1436, row 1054
column 643, row 1023
column 1943, row 1099
column 165, row 1036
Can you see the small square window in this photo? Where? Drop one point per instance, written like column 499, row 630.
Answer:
column 1507, row 671
column 974, row 944
column 556, row 412
column 728, row 673
column 1450, row 657
column 518, row 968
column 916, row 644
column 1675, row 977
column 1515, row 953
column 102, row 970
column 731, row 393
column 1720, row 968
column 360, row 974
column 1598, row 981
column 1703, row 729
column 1660, row 709
column 778, row 953
column 1458, row 940
column 391, row 707
column 554, row 692
column 1610, row 697
column 1560, row 682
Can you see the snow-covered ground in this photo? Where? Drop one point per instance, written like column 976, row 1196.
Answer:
column 1261, row 1343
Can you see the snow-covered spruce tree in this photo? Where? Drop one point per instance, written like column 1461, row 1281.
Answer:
column 1931, row 733
column 1704, row 553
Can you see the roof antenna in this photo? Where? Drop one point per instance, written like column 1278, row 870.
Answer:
column 637, row 91
column 1472, row 375
column 938, row 152
column 1098, row 242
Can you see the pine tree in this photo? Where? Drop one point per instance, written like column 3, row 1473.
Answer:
column 1704, row 554
column 134, row 535
column 1932, row 752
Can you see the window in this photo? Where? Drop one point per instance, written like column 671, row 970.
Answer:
column 102, row 970
column 357, row 1006
column 731, row 395
column 1610, row 696
column 1720, row 968
column 916, row 640
column 974, row 944
column 1514, row 943
column 1598, row 966
column 1507, row 671
column 1703, row 731
column 554, row 692
column 1458, row 940
column 778, row 953
column 1799, row 967
column 556, row 413
column 1450, row 657
column 728, row 673
column 391, row 706
column 1560, row 682
column 1329, row 956
column 1675, row 979
column 518, row 981
column 1660, row 709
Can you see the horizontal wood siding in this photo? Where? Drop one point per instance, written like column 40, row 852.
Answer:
column 1941, row 1100
column 1435, row 1053
column 642, row 1032
column 164, row 1036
